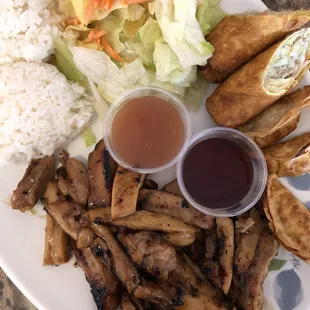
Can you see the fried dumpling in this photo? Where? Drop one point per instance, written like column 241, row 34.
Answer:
column 291, row 158
column 278, row 121
column 289, row 218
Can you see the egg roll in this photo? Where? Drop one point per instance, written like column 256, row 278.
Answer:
column 290, row 158
column 288, row 218
column 261, row 82
column 279, row 120
column 239, row 38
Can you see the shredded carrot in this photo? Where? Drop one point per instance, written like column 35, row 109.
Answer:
column 110, row 50
column 94, row 35
column 72, row 22
column 90, row 10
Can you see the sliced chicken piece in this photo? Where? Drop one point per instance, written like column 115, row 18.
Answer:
column 196, row 251
column 63, row 157
column 97, row 216
column 122, row 265
column 173, row 188
column 77, row 181
column 125, row 192
column 150, row 252
column 247, row 242
column 127, row 303
column 250, row 291
column 180, row 239
column 150, row 184
column 163, row 296
column 101, row 172
column 33, row 184
column 225, row 240
column 196, row 292
column 104, row 286
column 175, row 206
column 66, row 215
column 52, row 194
column 101, row 250
column 57, row 243
column 85, row 238
column 145, row 220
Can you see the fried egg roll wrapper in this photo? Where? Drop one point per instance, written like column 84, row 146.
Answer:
column 258, row 84
column 237, row 39
column 291, row 158
column 279, row 120
column 289, row 218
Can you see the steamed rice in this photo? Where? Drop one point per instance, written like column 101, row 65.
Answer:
column 27, row 29
column 40, row 111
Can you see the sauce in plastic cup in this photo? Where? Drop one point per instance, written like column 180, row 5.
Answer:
column 228, row 152
column 147, row 130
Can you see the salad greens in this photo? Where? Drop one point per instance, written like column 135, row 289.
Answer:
column 123, row 44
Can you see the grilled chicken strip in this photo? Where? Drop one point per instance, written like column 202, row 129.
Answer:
column 33, row 184
column 127, row 303
column 250, row 288
column 173, row 188
column 104, row 286
column 101, row 172
column 150, row 252
column 175, row 206
column 247, row 242
column 57, row 243
column 122, row 265
column 101, row 250
column 73, row 181
column 225, row 237
column 150, row 184
column 163, row 296
column 66, row 215
column 125, row 192
column 198, row 294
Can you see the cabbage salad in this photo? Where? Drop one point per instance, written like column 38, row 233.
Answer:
column 123, row 44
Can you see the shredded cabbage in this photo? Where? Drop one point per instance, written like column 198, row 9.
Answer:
column 88, row 137
column 181, row 30
column 209, row 14
column 169, row 68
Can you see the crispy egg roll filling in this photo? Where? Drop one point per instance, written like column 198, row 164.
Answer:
column 289, row 60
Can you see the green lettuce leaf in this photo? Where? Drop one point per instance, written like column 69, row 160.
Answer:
column 65, row 63
column 169, row 68
column 181, row 30
column 112, row 81
column 209, row 14
column 149, row 33
column 88, row 137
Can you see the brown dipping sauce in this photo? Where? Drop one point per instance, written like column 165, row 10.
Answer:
column 217, row 173
column 147, row 132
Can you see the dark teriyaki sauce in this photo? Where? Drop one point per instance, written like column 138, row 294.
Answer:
column 217, row 173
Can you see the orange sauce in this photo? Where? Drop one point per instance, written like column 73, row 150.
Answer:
column 147, row 132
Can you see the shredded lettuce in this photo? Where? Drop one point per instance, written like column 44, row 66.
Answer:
column 80, row 7
column 209, row 14
column 181, row 30
column 149, row 33
column 196, row 94
column 169, row 68
column 113, row 25
column 111, row 80
column 134, row 12
column 88, row 137
column 65, row 63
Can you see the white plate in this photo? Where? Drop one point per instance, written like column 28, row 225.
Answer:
column 65, row 288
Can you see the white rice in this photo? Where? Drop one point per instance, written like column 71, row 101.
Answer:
column 40, row 111
column 27, row 29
